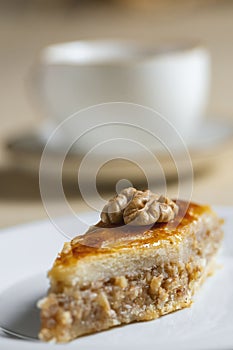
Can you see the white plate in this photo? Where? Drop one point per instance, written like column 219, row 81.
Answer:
column 26, row 253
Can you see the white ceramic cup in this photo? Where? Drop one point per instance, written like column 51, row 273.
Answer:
column 171, row 80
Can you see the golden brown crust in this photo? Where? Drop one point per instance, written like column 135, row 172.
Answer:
column 105, row 238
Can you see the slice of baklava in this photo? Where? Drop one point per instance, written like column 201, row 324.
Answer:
column 144, row 259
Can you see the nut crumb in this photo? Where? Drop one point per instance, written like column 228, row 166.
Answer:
column 155, row 284
column 103, row 302
column 121, row 282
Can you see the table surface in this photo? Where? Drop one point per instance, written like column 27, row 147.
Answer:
column 23, row 34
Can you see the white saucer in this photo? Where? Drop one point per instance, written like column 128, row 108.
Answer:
column 205, row 143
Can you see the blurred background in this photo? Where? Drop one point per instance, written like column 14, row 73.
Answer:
column 26, row 26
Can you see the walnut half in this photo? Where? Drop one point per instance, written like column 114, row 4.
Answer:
column 139, row 208
column 112, row 212
column 147, row 208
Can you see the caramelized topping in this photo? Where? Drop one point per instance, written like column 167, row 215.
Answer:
column 107, row 238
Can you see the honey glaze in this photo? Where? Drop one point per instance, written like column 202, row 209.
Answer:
column 105, row 238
